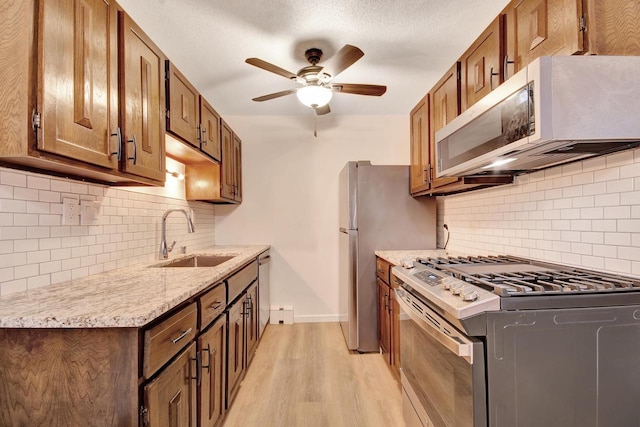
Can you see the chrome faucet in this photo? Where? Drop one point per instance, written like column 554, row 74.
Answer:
column 164, row 251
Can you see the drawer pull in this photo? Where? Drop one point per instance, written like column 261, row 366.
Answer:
column 182, row 335
column 215, row 305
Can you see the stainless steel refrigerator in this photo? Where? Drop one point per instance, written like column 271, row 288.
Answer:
column 376, row 213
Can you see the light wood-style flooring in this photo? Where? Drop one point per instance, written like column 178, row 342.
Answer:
column 302, row 375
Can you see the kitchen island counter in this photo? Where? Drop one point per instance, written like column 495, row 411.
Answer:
column 125, row 297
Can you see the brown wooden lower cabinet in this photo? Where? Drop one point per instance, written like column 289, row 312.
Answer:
column 388, row 315
column 252, row 321
column 212, row 350
column 384, row 319
column 175, row 371
column 170, row 399
column 235, row 348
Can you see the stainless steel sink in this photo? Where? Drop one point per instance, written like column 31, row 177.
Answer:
column 198, row 261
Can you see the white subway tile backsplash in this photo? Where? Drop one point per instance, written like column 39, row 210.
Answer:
column 620, row 185
column 37, row 250
column 14, row 179
column 629, row 225
column 614, row 212
column 585, row 214
column 631, row 198
column 620, row 265
column 619, row 159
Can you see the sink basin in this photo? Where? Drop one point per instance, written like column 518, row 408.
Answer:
column 198, row 261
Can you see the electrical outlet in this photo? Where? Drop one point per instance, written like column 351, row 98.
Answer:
column 70, row 212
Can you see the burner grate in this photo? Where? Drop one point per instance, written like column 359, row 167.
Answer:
column 507, row 275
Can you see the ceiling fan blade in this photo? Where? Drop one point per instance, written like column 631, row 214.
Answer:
column 270, row 67
column 323, row 110
column 275, row 95
column 342, row 60
column 359, row 89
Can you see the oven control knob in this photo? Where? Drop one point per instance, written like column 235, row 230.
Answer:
column 469, row 295
column 446, row 284
column 457, row 288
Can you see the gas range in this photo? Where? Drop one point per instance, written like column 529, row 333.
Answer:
column 465, row 286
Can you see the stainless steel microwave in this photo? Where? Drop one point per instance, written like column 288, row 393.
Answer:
column 555, row 110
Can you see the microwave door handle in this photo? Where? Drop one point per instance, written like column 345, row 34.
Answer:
column 461, row 346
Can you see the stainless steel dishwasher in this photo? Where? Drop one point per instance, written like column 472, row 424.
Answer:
column 264, row 304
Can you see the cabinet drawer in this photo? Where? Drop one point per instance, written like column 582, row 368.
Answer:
column 212, row 304
column 166, row 339
column 239, row 281
column 382, row 269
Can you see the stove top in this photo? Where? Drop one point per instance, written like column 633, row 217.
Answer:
column 513, row 276
column 464, row 286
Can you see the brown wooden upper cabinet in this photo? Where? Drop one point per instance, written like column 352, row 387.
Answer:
column 445, row 106
column 68, row 113
column 209, row 134
column 482, row 64
column 142, row 103
column 420, row 154
column 218, row 182
column 544, row 27
column 189, row 116
column 183, row 108
column 231, row 167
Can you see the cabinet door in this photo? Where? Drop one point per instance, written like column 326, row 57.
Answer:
column 171, row 397
column 547, row 27
column 227, row 178
column 384, row 326
column 183, row 106
column 77, row 80
column 237, row 168
column 612, row 27
column 445, row 106
column 482, row 64
column 142, row 103
column 235, row 348
column 252, row 321
column 419, row 179
column 212, row 350
column 209, row 130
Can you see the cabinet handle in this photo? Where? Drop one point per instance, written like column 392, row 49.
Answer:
column 505, row 64
column 118, row 135
column 182, row 335
column 208, row 365
column 135, row 149
column 197, row 377
column 380, row 270
column 203, row 139
column 215, row 305
column 491, row 74
column 425, row 174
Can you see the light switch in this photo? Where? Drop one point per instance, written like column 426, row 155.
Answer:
column 88, row 212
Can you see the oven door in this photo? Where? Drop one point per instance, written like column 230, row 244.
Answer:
column 443, row 370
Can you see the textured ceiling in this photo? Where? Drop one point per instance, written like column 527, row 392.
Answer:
column 408, row 45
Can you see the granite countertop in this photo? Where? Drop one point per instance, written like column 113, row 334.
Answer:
column 396, row 257
column 125, row 297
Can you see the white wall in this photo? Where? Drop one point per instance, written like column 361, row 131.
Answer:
column 586, row 214
column 290, row 182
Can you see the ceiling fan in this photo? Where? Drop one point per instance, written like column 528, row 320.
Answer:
column 317, row 85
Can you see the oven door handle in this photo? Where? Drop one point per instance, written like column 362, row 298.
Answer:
column 451, row 339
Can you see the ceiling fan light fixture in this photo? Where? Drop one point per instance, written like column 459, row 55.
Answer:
column 314, row 96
